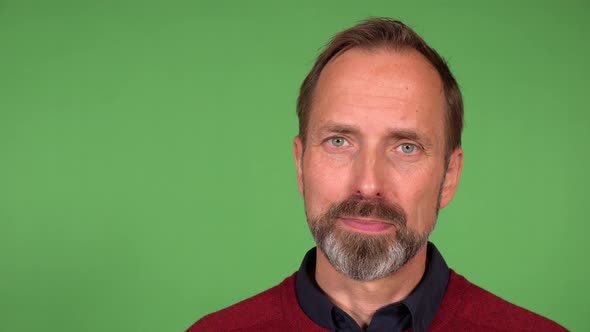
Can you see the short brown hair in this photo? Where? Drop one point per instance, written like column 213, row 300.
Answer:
column 393, row 34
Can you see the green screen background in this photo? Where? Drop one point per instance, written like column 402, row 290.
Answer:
column 146, row 172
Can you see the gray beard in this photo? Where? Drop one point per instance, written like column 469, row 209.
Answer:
column 366, row 257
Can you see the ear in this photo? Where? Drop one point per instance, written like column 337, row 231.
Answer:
column 298, row 155
column 451, row 182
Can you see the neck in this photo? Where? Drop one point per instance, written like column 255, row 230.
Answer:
column 360, row 299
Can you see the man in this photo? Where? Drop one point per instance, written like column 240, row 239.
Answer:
column 377, row 155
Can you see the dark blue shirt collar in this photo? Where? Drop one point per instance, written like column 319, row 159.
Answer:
column 422, row 304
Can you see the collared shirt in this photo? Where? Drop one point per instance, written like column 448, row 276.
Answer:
column 416, row 311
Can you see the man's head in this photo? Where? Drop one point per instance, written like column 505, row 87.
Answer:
column 378, row 150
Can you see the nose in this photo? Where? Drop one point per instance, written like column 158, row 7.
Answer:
column 369, row 177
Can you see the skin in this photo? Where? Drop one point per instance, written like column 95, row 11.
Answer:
column 376, row 129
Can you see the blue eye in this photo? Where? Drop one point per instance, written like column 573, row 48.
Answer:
column 337, row 141
column 407, row 148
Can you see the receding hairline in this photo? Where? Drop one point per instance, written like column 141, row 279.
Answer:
column 381, row 48
column 376, row 50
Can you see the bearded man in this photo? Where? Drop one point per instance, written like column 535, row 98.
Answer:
column 377, row 155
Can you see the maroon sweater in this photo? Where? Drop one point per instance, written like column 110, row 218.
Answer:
column 464, row 307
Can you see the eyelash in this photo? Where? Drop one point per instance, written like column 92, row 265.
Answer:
column 415, row 147
column 329, row 140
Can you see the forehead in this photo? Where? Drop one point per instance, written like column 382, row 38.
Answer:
column 380, row 84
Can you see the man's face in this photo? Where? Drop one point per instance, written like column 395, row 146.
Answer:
column 372, row 172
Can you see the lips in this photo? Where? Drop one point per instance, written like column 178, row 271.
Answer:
column 365, row 225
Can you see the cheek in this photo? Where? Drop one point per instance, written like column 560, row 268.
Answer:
column 324, row 184
column 422, row 200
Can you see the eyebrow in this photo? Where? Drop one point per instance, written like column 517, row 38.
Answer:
column 392, row 133
column 333, row 127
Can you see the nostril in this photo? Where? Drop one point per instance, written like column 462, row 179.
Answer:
column 360, row 194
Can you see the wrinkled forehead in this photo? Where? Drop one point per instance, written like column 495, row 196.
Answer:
column 384, row 70
column 375, row 82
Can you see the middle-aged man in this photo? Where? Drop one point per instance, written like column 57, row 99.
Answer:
column 377, row 155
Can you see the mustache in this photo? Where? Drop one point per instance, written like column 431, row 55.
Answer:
column 356, row 206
